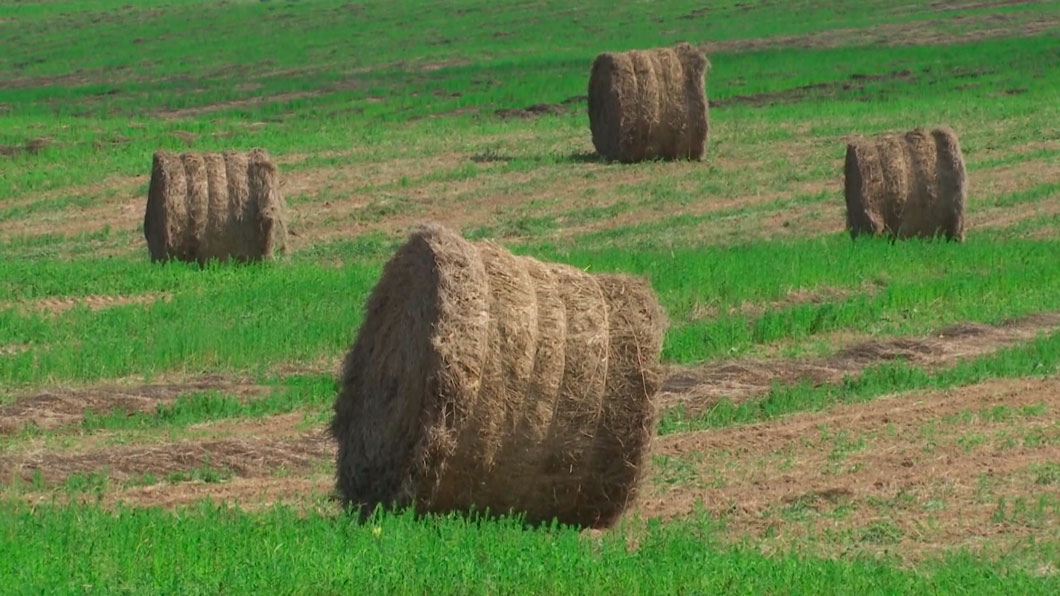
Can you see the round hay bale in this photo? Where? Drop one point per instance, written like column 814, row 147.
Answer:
column 480, row 380
column 214, row 207
column 910, row 185
column 648, row 104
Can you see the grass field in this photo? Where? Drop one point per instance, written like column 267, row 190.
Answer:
column 838, row 416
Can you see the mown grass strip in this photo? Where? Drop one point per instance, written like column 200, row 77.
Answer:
column 312, row 394
column 1040, row 357
column 901, row 288
column 231, row 318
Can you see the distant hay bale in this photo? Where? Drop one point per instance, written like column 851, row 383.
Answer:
column 214, row 207
column 911, row 185
column 483, row 380
column 649, row 104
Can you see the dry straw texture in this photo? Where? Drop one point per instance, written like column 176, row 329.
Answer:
column 649, row 104
column 907, row 185
column 481, row 380
column 214, row 207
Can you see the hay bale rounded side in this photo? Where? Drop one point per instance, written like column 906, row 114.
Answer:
column 215, row 207
column 904, row 186
column 484, row 381
column 165, row 217
column 647, row 104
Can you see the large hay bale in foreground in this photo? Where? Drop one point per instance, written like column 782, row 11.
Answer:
column 214, row 207
column 649, row 104
column 906, row 185
column 483, row 380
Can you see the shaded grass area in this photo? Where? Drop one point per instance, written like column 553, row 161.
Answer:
column 280, row 550
column 252, row 318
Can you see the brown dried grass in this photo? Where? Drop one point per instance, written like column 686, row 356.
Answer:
column 911, row 185
column 214, row 207
column 481, row 380
column 647, row 104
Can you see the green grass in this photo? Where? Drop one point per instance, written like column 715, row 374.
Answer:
column 363, row 95
column 389, row 127
column 88, row 549
column 249, row 319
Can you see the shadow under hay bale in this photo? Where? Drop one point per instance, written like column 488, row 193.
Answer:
column 214, row 207
column 481, row 380
column 911, row 185
column 648, row 104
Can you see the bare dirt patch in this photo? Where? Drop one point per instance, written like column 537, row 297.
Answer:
column 236, row 103
column 542, row 109
column 941, row 31
column 815, row 91
column 256, row 455
column 948, row 5
column 909, row 474
column 9, row 349
column 248, row 493
column 1007, row 217
column 123, row 211
column 55, row 305
column 118, row 184
column 32, row 147
column 698, row 389
column 1015, row 177
column 741, row 224
column 251, row 463
column 58, row 407
column 793, row 297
